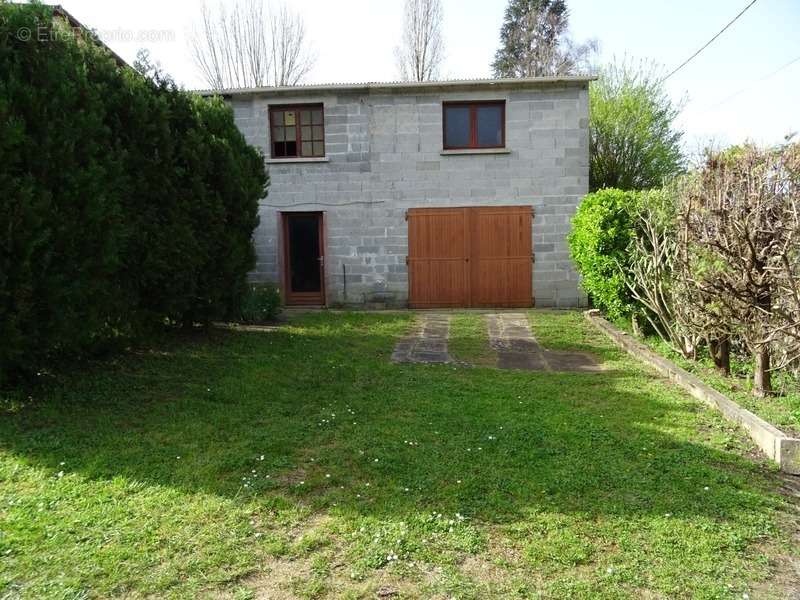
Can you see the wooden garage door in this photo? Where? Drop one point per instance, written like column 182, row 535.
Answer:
column 470, row 257
column 438, row 257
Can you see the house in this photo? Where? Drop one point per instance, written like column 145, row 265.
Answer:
column 432, row 194
column 66, row 19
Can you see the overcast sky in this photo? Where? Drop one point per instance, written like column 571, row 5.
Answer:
column 729, row 96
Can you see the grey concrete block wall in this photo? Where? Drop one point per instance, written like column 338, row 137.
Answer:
column 384, row 156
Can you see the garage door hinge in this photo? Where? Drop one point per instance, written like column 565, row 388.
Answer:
column 533, row 257
column 405, row 214
column 406, row 260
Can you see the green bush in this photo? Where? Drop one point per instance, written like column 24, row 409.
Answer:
column 634, row 142
column 126, row 202
column 601, row 231
column 261, row 303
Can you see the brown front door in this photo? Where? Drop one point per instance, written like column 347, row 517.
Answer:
column 470, row 257
column 303, row 259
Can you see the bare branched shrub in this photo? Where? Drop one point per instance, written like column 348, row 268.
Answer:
column 651, row 269
column 421, row 51
column 739, row 239
column 247, row 46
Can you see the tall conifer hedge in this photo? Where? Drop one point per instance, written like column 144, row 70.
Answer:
column 125, row 203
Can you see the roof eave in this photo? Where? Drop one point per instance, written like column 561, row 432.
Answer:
column 405, row 86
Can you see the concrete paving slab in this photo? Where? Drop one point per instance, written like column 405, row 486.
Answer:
column 426, row 343
column 511, row 337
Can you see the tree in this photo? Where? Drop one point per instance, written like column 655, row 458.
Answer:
column 247, row 46
column 291, row 57
column 421, row 51
column 634, row 142
column 535, row 42
column 740, row 249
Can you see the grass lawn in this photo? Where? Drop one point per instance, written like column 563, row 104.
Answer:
column 781, row 409
column 302, row 463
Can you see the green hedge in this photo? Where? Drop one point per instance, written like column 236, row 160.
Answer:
column 601, row 231
column 126, row 203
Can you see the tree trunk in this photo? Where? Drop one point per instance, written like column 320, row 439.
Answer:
column 720, row 350
column 762, row 380
column 637, row 331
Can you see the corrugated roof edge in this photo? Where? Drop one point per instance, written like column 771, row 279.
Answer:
column 60, row 11
column 403, row 85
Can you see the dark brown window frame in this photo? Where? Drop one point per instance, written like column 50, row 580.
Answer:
column 280, row 109
column 473, row 123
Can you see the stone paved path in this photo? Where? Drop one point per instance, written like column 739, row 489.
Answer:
column 511, row 337
column 426, row 343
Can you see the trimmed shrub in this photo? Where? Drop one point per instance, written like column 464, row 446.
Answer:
column 126, row 203
column 261, row 303
column 602, row 228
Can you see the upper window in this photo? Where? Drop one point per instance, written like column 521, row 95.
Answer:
column 474, row 124
column 297, row 131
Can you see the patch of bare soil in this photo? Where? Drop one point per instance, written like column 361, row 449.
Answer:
column 275, row 583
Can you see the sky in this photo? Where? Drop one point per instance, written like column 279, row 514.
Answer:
column 729, row 92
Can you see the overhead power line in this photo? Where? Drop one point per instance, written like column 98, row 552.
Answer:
column 756, row 82
column 709, row 42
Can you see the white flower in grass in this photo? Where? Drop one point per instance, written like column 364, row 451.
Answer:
column 376, row 460
column 327, row 475
column 60, row 474
column 706, row 488
column 610, row 570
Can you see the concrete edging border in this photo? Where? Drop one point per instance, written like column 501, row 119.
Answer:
column 778, row 446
